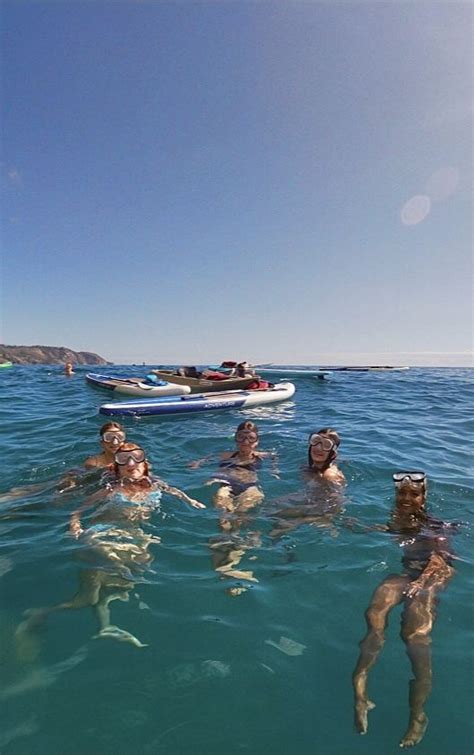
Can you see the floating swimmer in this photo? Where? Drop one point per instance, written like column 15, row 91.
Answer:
column 238, row 493
column 115, row 538
column 427, row 571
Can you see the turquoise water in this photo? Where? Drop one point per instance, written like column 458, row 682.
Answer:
column 209, row 680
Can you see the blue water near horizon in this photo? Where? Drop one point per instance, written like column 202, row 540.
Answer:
column 215, row 677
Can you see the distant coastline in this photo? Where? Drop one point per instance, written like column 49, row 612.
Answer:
column 48, row 355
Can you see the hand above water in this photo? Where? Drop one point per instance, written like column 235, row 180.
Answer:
column 196, row 504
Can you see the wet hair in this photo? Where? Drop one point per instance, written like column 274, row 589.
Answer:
column 330, row 433
column 248, row 426
column 131, row 447
column 111, row 426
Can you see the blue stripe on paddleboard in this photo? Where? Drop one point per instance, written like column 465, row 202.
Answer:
column 165, row 400
column 171, row 408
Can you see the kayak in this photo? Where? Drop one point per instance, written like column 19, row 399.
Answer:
column 200, row 402
column 136, row 386
column 6, row 364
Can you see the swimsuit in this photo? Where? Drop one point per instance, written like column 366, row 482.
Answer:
column 117, row 535
column 422, row 542
column 248, row 478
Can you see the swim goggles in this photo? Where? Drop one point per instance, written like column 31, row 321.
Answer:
column 320, row 440
column 123, row 457
column 111, row 435
column 416, row 477
column 246, row 435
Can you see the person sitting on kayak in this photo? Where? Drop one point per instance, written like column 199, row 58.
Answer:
column 112, row 435
column 115, row 536
column 243, row 369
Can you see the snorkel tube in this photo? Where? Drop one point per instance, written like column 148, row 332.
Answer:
column 327, row 432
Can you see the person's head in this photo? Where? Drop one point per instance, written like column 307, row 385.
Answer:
column 68, row 368
column 322, row 448
column 244, row 370
column 410, row 490
column 130, row 462
column 246, row 436
column 112, row 435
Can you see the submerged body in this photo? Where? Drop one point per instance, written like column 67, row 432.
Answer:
column 320, row 502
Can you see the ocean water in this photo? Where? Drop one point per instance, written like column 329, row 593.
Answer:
column 266, row 672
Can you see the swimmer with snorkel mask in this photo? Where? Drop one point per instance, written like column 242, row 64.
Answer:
column 322, row 455
column 321, row 500
column 427, row 570
column 238, row 494
column 113, row 537
column 112, row 435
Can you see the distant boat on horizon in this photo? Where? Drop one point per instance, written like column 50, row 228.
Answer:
column 322, row 370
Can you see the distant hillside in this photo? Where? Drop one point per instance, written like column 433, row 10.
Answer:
column 47, row 355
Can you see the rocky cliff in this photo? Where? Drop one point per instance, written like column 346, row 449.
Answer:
column 47, row 355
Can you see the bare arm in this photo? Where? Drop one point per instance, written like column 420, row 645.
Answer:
column 75, row 526
column 199, row 462
column 273, row 456
column 354, row 524
column 333, row 474
column 210, row 457
column 179, row 494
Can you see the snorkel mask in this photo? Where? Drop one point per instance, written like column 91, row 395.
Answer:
column 409, row 478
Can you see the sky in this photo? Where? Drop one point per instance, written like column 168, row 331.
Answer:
column 288, row 182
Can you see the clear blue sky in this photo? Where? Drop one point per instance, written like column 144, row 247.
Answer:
column 276, row 181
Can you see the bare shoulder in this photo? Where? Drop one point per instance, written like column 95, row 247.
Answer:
column 91, row 462
column 333, row 474
column 226, row 455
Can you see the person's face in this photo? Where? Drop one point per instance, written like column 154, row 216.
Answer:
column 318, row 455
column 410, row 496
column 320, row 448
column 247, row 440
column 112, row 440
column 132, row 470
column 131, row 464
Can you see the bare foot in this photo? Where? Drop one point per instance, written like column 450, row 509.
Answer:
column 237, row 574
column 115, row 633
column 416, row 730
column 361, row 711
